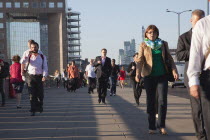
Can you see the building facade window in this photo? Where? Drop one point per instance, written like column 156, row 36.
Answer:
column 1, row 35
column 1, row 15
column 60, row 4
column 25, row 5
column 17, row 4
column 1, row 4
column 34, row 5
column 1, row 45
column 1, row 25
column 8, row 5
column 43, row 5
column 51, row 5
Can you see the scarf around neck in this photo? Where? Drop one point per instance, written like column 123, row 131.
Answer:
column 154, row 44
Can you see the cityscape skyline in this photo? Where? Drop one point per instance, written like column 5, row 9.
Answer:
column 107, row 24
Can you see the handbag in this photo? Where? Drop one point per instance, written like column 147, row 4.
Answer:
column 169, row 74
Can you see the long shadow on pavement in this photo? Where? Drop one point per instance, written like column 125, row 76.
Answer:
column 133, row 119
column 66, row 116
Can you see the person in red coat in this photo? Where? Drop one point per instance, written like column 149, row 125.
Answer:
column 16, row 78
column 122, row 77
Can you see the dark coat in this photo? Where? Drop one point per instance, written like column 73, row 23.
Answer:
column 133, row 74
column 183, row 51
column 102, row 71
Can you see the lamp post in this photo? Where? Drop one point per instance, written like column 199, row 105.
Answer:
column 178, row 13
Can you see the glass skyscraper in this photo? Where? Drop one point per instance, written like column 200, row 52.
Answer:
column 19, row 34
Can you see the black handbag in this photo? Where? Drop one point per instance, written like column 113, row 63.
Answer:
column 169, row 74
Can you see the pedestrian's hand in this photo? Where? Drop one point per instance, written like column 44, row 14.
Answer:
column 43, row 79
column 99, row 62
column 137, row 78
column 195, row 91
column 133, row 67
column 176, row 76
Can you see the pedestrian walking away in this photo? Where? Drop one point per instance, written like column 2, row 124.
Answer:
column 91, row 76
column 103, row 72
column 114, row 76
column 183, row 53
column 199, row 70
column 73, row 73
column 37, row 70
column 152, row 61
column 16, row 78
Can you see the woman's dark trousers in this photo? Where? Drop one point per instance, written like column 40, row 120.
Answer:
column 159, row 83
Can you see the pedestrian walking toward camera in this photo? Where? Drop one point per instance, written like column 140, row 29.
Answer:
column 64, row 76
column 26, row 54
column 37, row 70
column 152, row 65
column 57, row 78
column 91, row 76
column 199, row 70
column 4, row 72
column 122, row 77
column 114, row 76
column 103, row 72
column 16, row 78
column 183, row 53
column 137, row 88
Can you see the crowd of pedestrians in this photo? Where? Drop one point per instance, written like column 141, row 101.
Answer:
column 151, row 69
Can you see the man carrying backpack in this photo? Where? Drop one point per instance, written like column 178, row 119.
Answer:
column 37, row 70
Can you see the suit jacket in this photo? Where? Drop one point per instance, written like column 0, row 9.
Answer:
column 133, row 74
column 102, row 70
column 183, row 51
column 144, row 61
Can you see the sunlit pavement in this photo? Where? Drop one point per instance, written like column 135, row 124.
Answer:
column 79, row 116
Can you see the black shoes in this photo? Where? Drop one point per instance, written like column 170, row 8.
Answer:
column 32, row 113
column 19, row 107
column 99, row 101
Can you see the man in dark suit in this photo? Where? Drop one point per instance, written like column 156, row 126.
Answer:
column 182, row 53
column 103, row 71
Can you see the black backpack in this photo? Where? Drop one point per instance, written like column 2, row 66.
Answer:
column 4, row 70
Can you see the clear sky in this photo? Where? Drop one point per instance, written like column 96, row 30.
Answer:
column 108, row 23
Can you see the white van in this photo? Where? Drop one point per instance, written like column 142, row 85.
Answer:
column 180, row 82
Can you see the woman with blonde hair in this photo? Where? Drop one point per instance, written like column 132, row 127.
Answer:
column 152, row 64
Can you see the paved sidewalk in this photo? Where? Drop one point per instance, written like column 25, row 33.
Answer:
column 78, row 116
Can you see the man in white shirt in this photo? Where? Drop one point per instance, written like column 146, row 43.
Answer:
column 199, row 69
column 26, row 54
column 37, row 70
column 90, row 73
column 183, row 53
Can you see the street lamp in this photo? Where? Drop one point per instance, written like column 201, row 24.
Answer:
column 178, row 13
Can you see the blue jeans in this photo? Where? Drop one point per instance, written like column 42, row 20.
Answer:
column 114, row 84
column 159, row 84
